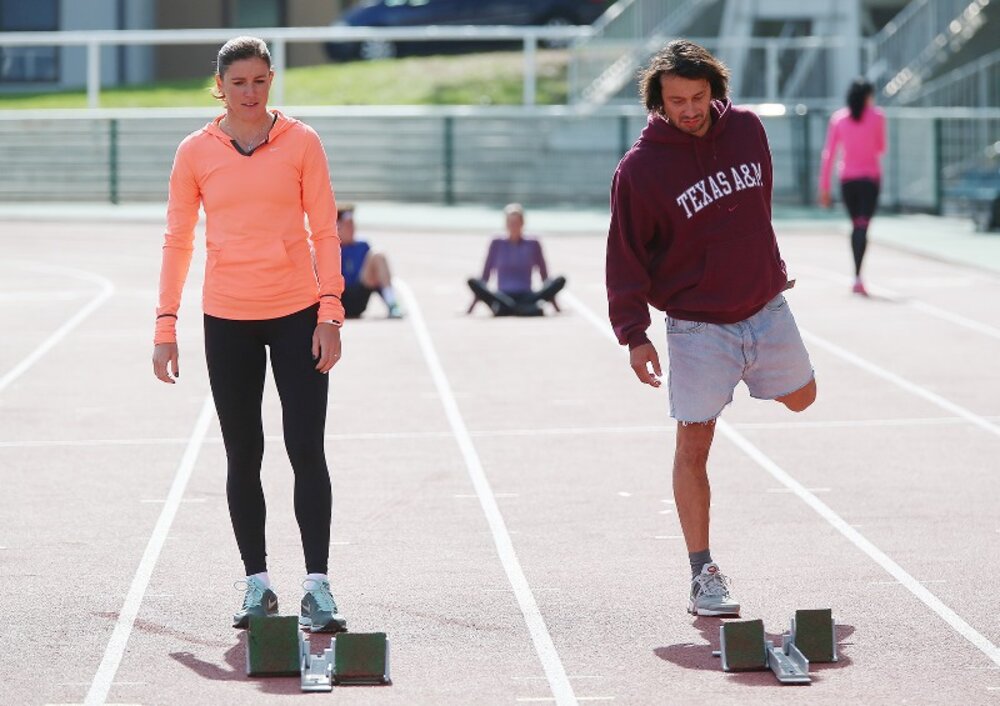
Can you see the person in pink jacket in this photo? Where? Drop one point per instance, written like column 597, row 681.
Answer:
column 273, row 290
column 859, row 131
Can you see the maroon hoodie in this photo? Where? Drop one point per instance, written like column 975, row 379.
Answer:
column 691, row 227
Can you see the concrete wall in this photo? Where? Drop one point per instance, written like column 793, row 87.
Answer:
column 173, row 62
column 118, row 64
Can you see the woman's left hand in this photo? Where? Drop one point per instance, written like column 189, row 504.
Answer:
column 326, row 346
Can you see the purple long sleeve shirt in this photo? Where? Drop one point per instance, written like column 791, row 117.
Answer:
column 513, row 262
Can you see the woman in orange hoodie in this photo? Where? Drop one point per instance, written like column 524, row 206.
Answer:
column 270, row 283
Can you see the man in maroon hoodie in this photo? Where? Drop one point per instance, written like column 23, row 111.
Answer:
column 691, row 235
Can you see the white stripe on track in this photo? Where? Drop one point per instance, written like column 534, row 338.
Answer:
column 855, row 537
column 562, row 690
column 107, row 289
column 101, row 685
column 929, row 309
column 911, row 387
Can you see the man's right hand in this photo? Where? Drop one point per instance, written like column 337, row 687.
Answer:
column 642, row 358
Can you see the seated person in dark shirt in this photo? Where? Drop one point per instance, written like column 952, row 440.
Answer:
column 514, row 258
column 364, row 271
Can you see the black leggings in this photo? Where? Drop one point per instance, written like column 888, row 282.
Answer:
column 237, row 362
column 861, row 198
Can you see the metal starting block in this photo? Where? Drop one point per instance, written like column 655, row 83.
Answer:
column 361, row 658
column 273, row 647
column 743, row 647
column 317, row 670
column 815, row 634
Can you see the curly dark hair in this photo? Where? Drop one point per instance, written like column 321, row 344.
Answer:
column 685, row 59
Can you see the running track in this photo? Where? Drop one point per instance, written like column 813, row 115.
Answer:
column 501, row 489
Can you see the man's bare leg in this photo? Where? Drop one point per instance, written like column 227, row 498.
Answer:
column 692, row 493
column 800, row 400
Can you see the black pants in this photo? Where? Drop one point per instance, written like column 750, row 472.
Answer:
column 860, row 198
column 517, row 303
column 237, row 362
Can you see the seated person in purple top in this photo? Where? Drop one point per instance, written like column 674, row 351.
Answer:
column 364, row 271
column 514, row 258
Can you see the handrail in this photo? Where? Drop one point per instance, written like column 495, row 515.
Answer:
column 281, row 36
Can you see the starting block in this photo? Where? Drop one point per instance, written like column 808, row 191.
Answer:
column 276, row 647
column 814, row 632
column 273, row 647
column 361, row 658
column 743, row 647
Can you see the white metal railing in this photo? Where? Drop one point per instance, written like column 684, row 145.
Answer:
column 543, row 155
column 604, row 62
column 909, row 44
column 975, row 85
column 280, row 37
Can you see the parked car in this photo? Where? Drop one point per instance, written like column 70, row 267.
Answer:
column 415, row 13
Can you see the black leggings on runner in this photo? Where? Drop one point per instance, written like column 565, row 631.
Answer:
column 861, row 198
column 237, row 362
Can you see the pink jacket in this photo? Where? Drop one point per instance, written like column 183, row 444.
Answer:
column 863, row 143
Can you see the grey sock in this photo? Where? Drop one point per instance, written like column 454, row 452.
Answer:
column 698, row 560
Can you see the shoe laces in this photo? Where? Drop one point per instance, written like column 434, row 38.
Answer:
column 254, row 593
column 714, row 584
column 321, row 593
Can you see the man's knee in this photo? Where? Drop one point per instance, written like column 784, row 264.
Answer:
column 801, row 399
column 694, row 440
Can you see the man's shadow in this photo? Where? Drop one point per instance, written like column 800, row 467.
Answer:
column 691, row 655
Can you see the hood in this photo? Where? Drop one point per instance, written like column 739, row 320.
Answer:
column 659, row 129
column 282, row 124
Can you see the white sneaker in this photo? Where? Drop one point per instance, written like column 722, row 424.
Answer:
column 710, row 594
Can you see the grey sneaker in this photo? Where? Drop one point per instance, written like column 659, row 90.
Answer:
column 319, row 610
column 258, row 600
column 710, row 594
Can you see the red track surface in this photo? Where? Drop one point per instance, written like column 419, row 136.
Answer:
column 576, row 455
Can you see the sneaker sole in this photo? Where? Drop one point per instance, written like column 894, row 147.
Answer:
column 707, row 613
column 244, row 622
column 334, row 625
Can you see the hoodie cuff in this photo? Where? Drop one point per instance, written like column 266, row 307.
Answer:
column 638, row 339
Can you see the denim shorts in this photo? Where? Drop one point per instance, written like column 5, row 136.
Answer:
column 707, row 361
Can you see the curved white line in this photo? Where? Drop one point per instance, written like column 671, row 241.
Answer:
column 107, row 289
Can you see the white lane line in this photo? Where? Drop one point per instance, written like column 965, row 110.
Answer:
column 932, row 397
column 559, row 431
column 101, row 685
column 107, row 289
column 929, row 309
column 855, row 537
column 562, row 690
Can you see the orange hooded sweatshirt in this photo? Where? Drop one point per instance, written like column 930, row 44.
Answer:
column 263, row 263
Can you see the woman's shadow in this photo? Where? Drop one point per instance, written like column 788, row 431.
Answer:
column 690, row 655
column 236, row 669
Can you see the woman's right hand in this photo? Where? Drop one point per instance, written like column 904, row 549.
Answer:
column 165, row 360
column 824, row 199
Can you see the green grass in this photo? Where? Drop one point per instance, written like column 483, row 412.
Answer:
column 494, row 78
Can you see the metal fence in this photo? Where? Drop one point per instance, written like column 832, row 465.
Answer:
column 543, row 156
column 280, row 37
